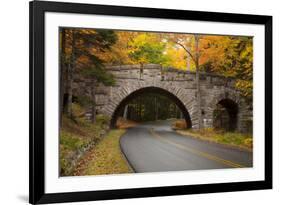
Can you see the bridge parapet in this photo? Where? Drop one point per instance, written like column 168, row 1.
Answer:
column 149, row 71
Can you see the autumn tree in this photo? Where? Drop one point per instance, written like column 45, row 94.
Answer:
column 177, row 57
column 62, row 70
column 190, row 44
column 147, row 48
column 184, row 43
column 81, row 57
column 119, row 51
column 230, row 56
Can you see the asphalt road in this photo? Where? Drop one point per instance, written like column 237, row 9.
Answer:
column 155, row 147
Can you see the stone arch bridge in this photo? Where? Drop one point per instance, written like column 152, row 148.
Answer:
column 180, row 86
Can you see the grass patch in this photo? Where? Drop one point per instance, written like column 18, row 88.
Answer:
column 106, row 157
column 71, row 141
column 235, row 139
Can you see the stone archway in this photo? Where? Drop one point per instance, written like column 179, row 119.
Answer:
column 149, row 89
column 226, row 115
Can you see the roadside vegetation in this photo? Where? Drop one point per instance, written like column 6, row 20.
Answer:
column 90, row 148
column 77, row 136
column 106, row 158
column 234, row 139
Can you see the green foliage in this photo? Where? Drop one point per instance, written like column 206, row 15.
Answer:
column 84, row 100
column 85, row 45
column 77, row 109
column 103, row 119
column 100, row 41
column 148, row 48
column 98, row 38
column 100, row 75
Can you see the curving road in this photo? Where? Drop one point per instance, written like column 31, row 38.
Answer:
column 155, row 147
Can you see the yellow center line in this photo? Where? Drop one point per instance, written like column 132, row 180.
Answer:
column 197, row 152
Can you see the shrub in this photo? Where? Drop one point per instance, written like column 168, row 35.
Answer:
column 179, row 125
column 248, row 142
column 70, row 141
column 103, row 119
column 124, row 123
column 77, row 110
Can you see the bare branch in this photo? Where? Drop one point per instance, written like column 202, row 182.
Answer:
column 180, row 44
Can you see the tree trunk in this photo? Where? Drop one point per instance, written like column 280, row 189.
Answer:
column 181, row 115
column 141, row 70
column 71, row 68
column 62, row 73
column 139, row 110
column 93, row 97
column 198, row 81
column 156, row 108
column 187, row 62
column 125, row 114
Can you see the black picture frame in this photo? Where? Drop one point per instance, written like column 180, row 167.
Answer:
column 37, row 101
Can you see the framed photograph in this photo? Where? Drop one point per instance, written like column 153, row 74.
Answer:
column 140, row 102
